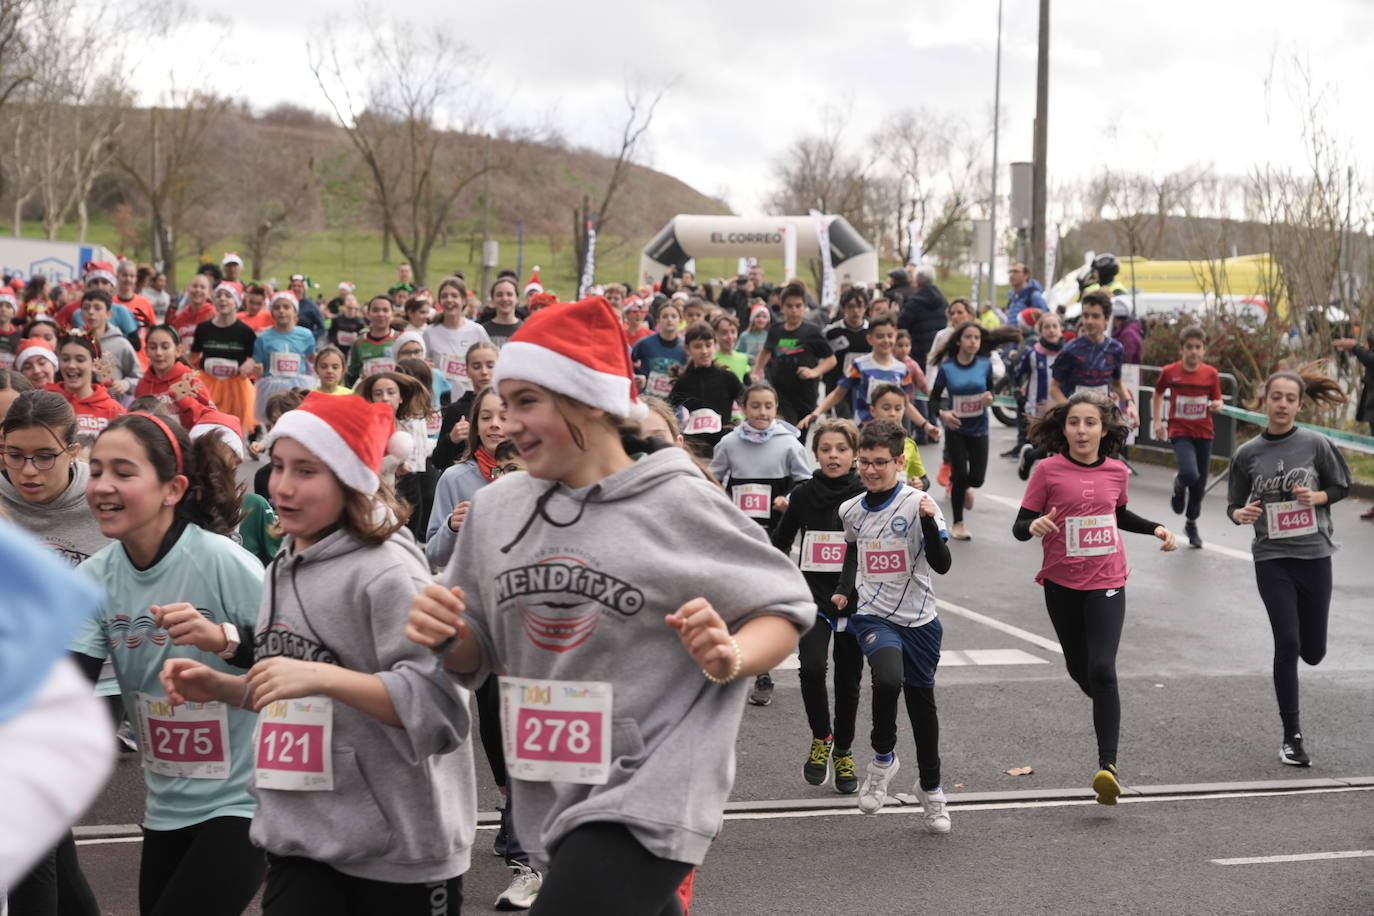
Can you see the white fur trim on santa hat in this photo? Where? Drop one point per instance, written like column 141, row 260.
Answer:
column 106, row 275
column 406, row 337
column 315, row 433
column 610, row 391
column 29, row 353
column 288, row 296
column 231, row 257
column 225, row 434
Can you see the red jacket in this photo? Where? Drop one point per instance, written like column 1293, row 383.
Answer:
column 186, row 319
column 93, row 413
column 188, row 409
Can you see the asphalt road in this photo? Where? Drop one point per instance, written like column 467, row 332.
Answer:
column 1198, row 708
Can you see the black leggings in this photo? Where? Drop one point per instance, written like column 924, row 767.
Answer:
column 601, row 868
column 304, row 887
column 489, row 726
column 55, row 886
column 1297, row 595
column 1088, row 624
column 888, row 676
column 207, row 868
column 1194, row 460
column 849, row 668
column 968, row 463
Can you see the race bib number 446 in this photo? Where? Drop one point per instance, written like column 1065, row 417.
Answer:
column 557, row 731
column 1290, row 519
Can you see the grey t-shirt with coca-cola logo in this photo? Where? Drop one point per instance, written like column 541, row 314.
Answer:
column 1267, row 468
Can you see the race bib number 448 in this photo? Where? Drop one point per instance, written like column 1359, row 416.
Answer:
column 557, row 731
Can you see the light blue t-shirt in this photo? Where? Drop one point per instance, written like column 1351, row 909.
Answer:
column 224, row 582
column 298, row 340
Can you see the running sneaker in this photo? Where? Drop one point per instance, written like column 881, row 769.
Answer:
column 1180, row 497
column 1106, row 786
column 960, row 532
column 1023, row 464
column 846, row 776
column 1292, row 753
column 1013, row 452
column 943, row 477
column 524, row 887
column 933, row 810
column 873, row 793
column 816, row 770
column 128, row 740
column 1368, row 514
column 762, row 694
column 1190, row 529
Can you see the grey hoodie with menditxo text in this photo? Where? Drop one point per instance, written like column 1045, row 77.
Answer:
column 404, row 804
column 65, row 524
column 573, row 585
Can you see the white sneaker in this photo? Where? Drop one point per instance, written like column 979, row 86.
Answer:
column 873, row 792
column 524, row 887
column 933, row 810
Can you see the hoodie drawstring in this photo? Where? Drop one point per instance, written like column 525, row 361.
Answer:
column 539, row 512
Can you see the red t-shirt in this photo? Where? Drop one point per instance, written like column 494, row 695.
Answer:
column 187, row 318
column 1087, row 552
column 1189, row 414
column 259, row 322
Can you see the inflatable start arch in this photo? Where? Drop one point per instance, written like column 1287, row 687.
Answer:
column 687, row 236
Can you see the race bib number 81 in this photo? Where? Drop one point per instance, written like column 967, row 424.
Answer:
column 753, row 499
column 557, row 731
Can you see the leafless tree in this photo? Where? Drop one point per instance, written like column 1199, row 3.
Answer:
column 640, row 106
column 393, row 116
column 16, row 57
column 934, row 161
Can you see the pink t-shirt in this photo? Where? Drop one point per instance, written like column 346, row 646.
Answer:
column 1087, row 552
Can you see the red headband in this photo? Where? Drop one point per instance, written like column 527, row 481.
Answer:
column 166, row 431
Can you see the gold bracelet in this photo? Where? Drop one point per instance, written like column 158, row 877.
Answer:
column 734, row 669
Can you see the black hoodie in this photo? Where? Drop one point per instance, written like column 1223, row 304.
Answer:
column 815, row 506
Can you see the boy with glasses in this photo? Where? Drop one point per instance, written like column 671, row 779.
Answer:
column 895, row 536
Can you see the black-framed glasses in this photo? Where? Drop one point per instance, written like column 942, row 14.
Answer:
column 880, row 464
column 505, row 469
column 43, row 461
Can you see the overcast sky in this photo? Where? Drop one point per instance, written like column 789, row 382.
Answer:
column 1180, row 81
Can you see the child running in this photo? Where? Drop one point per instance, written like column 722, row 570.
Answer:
column 966, row 373
column 867, row 370
column 658, row 358
column 449, row 341
column 91, row 400
column 727, row 336
column 635, row 784
column 375, row 351
column 752, row 339
column 794, row 357
column 224, row 346
column 453, row 419
column 1195, row 394
column 707, row 391
column 170, row 378
column 813, row 511
column 1075, row 502
column 1033, row 375
column 894, row 538
column 329, row 369
column 889, row 402
column 282, row 352
column 176, row 587
column 1283, row 482
column 363, row 771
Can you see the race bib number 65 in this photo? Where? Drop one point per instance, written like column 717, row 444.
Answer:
column 557, row 731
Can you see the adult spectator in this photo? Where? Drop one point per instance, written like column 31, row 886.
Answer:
column 155, row 291
column 923, row 309
column 1024, row 293
column 1102, row 274
column 126, row 294
column 1364, row 408
column 1129, row 331
column 308, row 314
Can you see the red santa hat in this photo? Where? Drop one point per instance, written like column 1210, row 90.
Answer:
column 36, row 346
column 231, row 257
column 100, row 270
column 577, row 349
column 534, row 286
column 7, row 296
column 347, row 433
column 218, row 423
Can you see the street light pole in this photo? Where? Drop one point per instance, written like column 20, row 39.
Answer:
column 1039, row 192
column 992, row 217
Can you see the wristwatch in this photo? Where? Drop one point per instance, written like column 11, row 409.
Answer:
column 231, row 640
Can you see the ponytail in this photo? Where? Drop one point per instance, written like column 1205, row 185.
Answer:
column 214, row 498
column 1313, row 385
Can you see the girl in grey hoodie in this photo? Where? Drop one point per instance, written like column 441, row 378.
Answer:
column 620, row 689
column 364, row 779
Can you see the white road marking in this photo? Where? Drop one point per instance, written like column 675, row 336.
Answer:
column 1047, row 644
column 955, row 658
column 113, row 839
column 1303, row 857
column 1013, row 503
column 1231, row 552
column 847, row 811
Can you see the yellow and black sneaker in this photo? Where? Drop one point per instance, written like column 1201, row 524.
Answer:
column 846, row 777
column 817, row 767
column 1106, row 786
